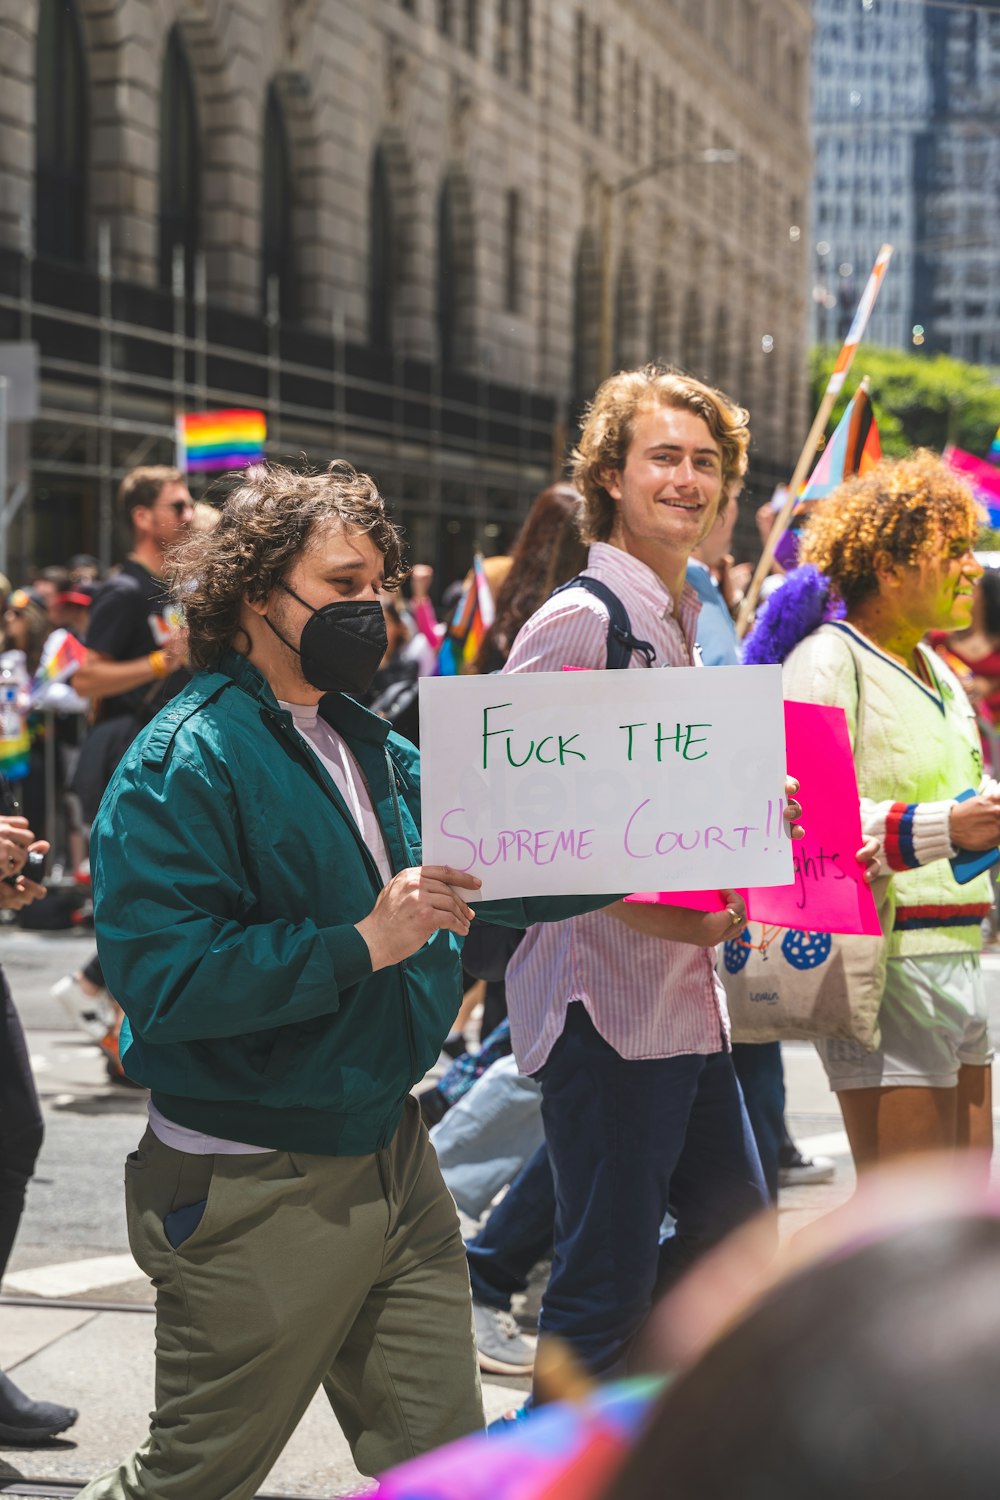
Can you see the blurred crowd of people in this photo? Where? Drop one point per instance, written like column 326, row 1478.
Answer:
column 590, row 1109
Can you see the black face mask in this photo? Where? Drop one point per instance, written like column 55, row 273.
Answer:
column 341, row 645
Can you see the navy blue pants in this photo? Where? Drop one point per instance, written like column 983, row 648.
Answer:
column 516, row 1236
column 518, row 1233
column 626, row 1141
column 762, row 1078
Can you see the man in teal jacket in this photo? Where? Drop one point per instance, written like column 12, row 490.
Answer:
column 288, row 970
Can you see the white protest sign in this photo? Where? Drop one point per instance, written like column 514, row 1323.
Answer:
column 563, row 783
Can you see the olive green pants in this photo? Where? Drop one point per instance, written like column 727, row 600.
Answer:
column 345, row 1272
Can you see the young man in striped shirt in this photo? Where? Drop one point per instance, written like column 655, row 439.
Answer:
column 621, row 1017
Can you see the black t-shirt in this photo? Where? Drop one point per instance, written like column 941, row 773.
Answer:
column 132, row 615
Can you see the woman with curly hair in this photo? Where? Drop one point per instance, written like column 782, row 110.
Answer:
column 894, row 549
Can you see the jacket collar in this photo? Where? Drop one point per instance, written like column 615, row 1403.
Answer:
column 343, row 714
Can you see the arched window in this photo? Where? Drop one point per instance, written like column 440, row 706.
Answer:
column 662, row 318
column 278, row 240
column 504, row 40
column 512, row 271
column 456, row 274
column 525, row 45
column 61, row 133
column 446, row 278
column 381, row 254
column 691, row 351
column 180, row 174
column 626, row 326
column 445, row 17
column 746, row 369
column 586, row 320
column 472, row 26
column 721, row 347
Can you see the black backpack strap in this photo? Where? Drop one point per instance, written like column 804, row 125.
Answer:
column 621, row 641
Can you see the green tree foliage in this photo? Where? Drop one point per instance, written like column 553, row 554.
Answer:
column 919, row 400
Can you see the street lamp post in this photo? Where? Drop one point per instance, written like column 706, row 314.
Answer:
column 712, row 156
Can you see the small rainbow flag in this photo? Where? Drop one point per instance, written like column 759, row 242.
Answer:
column 474, row 614
column 482, row 616
column 994, row 449
column 220, row 439
column 61, row 655
column 15, row 752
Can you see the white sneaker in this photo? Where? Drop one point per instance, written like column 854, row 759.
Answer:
column 93, row 1014
column 806, row 1171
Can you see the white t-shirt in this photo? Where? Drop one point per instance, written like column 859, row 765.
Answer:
column 346, row 775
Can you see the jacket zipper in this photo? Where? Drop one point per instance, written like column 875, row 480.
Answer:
column 304, row 754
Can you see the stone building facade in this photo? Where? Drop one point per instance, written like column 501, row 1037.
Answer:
column 416, row 232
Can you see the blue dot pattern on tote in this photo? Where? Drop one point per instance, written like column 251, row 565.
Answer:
column 735, row 953
column 806, row 950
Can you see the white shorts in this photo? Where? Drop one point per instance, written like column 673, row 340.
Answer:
column 933, row 1022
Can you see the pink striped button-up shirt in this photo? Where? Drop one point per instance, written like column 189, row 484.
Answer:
column 645, row 996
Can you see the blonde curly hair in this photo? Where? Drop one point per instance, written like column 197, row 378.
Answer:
column 609, row 422
column 901, row 512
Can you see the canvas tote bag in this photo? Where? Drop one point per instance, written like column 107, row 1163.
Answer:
column 802, row 986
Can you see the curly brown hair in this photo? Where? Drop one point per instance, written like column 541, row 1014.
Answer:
column 609, row 422
column 548, row 551
column 900, row 512
column 267, row 520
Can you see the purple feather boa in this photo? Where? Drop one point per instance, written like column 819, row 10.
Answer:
column 798, row 607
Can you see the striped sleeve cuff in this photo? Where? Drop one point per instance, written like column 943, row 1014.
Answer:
column 911, row 833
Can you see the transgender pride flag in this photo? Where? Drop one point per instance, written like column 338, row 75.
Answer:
column 228, row 439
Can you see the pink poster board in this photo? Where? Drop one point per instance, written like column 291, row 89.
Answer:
column 829, row 893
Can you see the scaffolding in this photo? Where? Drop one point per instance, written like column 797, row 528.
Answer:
column 458, row 456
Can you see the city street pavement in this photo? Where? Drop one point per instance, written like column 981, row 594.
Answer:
column 73, row 1247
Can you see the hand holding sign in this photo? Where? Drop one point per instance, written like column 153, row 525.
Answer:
column 412, row 907
column 830, row 891
column 701, row 927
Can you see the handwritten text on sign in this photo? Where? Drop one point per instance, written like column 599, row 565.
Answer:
column 581, row 782
column 828, row 893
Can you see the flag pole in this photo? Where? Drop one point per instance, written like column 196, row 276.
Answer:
column 833, row 389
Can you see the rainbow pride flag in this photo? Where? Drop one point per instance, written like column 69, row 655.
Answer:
column 15, row 754
column 474, row 614
column 566, row 1451
column 994, row 449
column 220, row 439
column 61, row 655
